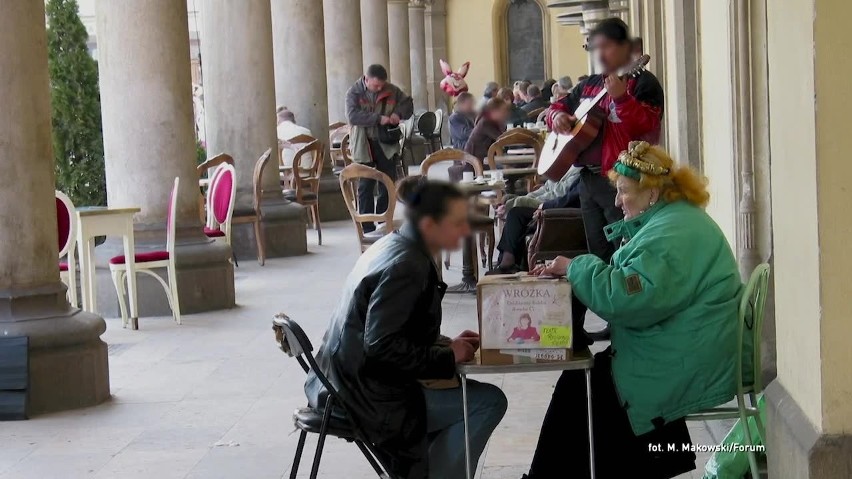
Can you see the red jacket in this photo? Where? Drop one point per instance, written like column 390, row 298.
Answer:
column 636, row 115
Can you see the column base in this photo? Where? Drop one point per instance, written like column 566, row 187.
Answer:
column 205, row 276
column 68, row 365
column 796, row 448
column 285, row 228
column 332, row 205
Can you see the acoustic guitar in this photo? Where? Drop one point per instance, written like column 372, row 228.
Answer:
column 560, row 151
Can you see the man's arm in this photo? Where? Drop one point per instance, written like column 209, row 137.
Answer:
column 404, row 105
column 459, row 126
column 355, row 115
column 384, row 340
column 641, row 111
column 566, row 105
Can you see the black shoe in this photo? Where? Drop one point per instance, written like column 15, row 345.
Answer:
column 602, row 335
column 368, row 227
column 512, row 269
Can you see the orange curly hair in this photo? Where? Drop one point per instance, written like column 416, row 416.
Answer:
column 681, row 182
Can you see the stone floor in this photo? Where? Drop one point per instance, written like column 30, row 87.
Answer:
column 212, row 398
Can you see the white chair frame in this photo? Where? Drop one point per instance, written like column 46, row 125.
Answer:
column 119, row 271
column 211, row 192
column 69, row 277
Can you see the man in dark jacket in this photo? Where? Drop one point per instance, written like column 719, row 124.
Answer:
column 373, row 103
column 535, row 100
column 461, row 121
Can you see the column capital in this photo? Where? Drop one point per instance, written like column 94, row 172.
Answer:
column 419, row 3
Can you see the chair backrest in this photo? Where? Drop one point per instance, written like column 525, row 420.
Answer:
column 212, row 188
column 316, row 151
column 533, row 114
column 439, row 121
column 514, row 137
column 349, row 177
column 451, row 154
column 204, row 169
column 335, row 126
column 220, row 159
column 66, row 223
column 170, row 220
column 426, row 124
column 223, row 190
column 751, row 312
column 540, row 117
column 257, row 179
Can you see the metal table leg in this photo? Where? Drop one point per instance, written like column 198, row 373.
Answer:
column 466, row 433
column 591, row 428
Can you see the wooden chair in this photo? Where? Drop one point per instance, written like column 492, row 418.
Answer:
column 205, row 174
column 256, row 215
column 220, row 203
column 517, row 137
column 479, row 223
column 148, row 262
column 533, row 114
column 304, row 185
column 336, row 125
column 66, row 220
column 349, row 178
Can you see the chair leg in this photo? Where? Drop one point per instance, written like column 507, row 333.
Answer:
column 317, row 225
column 173, row 292
column 447, row 260
column 298, row 457
column 752, row 457
column 326, row 417
column 261, row 242
column 72, row 278
column 758, row 421
column 372, row 460
column 482, row 241
column 492, row 240
column 119, row 291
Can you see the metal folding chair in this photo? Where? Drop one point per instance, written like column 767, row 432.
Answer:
column 293, row 341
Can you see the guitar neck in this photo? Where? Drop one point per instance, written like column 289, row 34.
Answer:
column 587, row 106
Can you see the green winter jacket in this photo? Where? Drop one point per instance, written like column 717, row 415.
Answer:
column 671, row 297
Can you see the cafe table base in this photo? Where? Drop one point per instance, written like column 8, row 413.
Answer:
column 468, row 282
column 582, row 361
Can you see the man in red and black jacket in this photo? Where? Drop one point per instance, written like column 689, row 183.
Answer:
column 635, row 106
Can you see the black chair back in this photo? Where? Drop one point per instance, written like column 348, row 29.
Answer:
column 426, row 124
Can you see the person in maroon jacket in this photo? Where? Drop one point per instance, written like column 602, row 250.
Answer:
column 635, row 106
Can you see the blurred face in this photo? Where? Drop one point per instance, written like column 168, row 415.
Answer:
column 374, row 84
column 632, row 198
column 466, row 106
column 448, row 232
column 500, row 115
column 610, row 54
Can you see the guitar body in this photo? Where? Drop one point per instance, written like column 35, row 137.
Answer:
column 560, row 152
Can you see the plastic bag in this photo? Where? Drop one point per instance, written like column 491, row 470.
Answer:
column 733, row 464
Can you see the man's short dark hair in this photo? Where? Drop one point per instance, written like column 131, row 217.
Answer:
column 464, row 96
column 378, row 72
column 533, row 91
column 613, row 29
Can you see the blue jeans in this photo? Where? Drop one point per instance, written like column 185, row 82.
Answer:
column 445, row 426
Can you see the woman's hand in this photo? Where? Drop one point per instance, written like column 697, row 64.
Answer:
column 558, row 267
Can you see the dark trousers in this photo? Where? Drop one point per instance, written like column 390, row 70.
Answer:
column 563, row 445
column 515, row 229
column 367, row 202
column 597, row 202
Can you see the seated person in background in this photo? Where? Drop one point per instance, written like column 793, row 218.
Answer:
column 521, row 92
column 489, row 126
column 534, row 100
column 462, row 120
column 287, row 128
column 491, row 89
column 519, row 211
column 547, row 89
column 562, row 88
column 517, row 116
column 671, row 296
column 384, row 338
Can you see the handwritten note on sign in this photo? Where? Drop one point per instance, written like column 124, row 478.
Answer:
column 556, row 336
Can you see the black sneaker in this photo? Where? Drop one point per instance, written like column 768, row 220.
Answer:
column 602, row 335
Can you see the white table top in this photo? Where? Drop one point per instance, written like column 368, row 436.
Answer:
column 520, row 151
column 85, row 211
column 472, row 187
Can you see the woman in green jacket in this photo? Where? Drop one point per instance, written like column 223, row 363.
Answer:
column 670, row 296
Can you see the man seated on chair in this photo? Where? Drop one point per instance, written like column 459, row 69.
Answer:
column 518, row 212
column 535, row 100
column 384, row 339
column 287, row 129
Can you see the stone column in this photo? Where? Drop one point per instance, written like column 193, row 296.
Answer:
column 67, row 359
column 374, row 32
column 149, row 139
column 398, row 36
column 417, row 40
column 343, row 52
column 301, row 85
column 436, row 49
column 239, row 94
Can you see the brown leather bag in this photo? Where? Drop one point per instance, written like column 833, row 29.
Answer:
column 559, row 232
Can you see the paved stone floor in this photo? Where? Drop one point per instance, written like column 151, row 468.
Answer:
column 212, row 398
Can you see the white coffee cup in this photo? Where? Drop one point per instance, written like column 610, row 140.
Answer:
column 467, row 176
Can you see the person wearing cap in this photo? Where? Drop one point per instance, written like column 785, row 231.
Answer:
column 671, row 296
column 562, row 88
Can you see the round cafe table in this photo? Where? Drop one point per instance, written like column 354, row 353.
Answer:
column 468, row 283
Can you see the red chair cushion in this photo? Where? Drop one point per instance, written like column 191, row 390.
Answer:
column 142, row 257
column 63, row 266
column 63, row 219
column 222, row 196
column 213, row 232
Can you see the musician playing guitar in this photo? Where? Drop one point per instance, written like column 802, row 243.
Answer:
column 635, row 109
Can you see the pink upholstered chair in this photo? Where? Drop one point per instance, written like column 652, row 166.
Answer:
column 149, row 261
column 220, row 202
column 66, row 222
